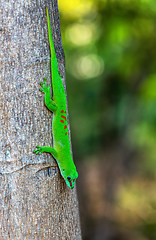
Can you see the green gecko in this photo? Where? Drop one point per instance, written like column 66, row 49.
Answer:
column 61, row 144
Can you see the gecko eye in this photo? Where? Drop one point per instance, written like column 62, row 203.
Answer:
column 63, row 170
column 69, row 178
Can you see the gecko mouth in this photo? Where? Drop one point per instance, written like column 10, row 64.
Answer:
column 70, row 182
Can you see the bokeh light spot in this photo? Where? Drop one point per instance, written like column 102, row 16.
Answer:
column 89, row 66
column 75, row 8
column 79, row 34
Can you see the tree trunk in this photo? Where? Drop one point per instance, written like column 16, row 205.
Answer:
column 35, row 202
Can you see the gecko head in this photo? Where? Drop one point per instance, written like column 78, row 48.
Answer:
column 70, row 177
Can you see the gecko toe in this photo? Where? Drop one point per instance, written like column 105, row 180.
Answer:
column 35, row 151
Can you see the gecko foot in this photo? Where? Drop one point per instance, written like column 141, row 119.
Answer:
column 39, row 150
column 44, row 88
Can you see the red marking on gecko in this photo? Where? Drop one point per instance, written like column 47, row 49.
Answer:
column 62, row 111
column 61, row 121
column 65, row 111
column 73, row 180
column 65, row 126
column 70, row 183
column 64, row 117
column 66, row 133
column 61, row 132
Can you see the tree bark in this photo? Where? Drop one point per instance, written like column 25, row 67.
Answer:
column 35, row 202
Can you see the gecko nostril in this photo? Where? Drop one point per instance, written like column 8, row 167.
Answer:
column 69, row 178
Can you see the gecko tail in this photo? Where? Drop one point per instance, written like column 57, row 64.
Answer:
column 52, row 48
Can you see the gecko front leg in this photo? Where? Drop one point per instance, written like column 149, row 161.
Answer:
column 51, row 150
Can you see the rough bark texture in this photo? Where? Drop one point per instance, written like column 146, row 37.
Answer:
column 35, row 202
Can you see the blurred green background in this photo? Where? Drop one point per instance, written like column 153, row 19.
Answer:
column 110, row 49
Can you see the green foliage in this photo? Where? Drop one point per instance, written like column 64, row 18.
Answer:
column 111, row 80
column 110, row 59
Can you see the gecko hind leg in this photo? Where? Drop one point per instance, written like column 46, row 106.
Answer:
column 50, row 104
column 51, row 150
